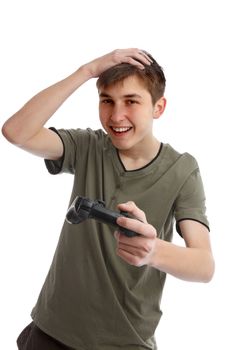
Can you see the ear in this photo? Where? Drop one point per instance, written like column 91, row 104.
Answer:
column 159, row 107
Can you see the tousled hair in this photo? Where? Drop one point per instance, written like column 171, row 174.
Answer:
column 152, row 76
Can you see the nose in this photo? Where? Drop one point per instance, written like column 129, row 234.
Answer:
column 117, row 113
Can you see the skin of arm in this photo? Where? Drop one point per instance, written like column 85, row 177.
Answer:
column 194, row 262
column 25, row 128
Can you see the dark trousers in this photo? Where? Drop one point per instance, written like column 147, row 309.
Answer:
column 32, row 338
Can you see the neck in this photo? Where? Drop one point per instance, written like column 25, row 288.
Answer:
column 138, row 158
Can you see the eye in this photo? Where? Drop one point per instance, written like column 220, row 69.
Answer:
column 131, row 102
column 107, row 101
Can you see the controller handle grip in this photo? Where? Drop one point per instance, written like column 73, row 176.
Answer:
column 108, row 216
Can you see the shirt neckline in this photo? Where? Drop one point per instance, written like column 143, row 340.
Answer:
column 150, row 167
column 145, row 166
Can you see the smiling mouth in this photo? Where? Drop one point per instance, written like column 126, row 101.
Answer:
column 121, row 130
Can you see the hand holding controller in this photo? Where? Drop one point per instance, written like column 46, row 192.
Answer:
column 84, row 208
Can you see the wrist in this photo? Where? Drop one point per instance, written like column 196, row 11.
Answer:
column 77, row 78
column 154, row 259
column 87, row 71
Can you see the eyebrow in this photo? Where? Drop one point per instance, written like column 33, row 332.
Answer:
column 103, row 94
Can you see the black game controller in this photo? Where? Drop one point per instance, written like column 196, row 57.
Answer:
column 84, row 208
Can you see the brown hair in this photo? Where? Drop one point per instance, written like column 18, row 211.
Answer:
column 152, row 77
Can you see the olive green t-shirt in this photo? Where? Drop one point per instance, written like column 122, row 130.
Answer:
column 91, row 298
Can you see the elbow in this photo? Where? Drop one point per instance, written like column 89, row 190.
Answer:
column 209, row 271
column 9, row 132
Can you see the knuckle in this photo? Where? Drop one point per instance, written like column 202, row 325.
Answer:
column 140, row 253
column 143, row 215
column 116, row 54
column 147, row 247
column 152, row 231
column 137, row 262
column 134, row 260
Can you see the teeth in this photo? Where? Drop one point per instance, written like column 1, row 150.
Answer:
column 121, row 129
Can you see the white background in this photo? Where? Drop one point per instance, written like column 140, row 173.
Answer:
column 42, row 42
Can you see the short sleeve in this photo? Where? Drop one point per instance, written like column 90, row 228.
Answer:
column 66, row 164
column 78, row 143
column 190, row 203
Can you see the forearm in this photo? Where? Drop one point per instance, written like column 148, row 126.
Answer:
column 29, row 120
column 190, row 264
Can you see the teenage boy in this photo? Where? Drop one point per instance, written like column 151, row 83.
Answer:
column 103, row 290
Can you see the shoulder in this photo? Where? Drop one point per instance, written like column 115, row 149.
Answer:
column 184, row 160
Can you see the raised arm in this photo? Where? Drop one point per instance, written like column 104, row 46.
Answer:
column 26, row 129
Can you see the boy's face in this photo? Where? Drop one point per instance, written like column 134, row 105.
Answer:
column 126, row 113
